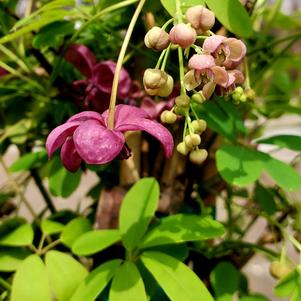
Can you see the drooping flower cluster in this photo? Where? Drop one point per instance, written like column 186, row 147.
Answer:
column 86, row 136
column 213, row 68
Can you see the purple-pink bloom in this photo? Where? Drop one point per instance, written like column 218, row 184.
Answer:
column 99, row 78
column 86, row 136
column 154, row 109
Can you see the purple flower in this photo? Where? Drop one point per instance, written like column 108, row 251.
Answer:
column 85, row 136
column 99, row 78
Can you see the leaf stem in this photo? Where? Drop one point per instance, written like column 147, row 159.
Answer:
column 120, row 62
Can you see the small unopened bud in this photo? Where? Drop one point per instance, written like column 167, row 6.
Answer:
column 183, row 149
column 236, row 97
column 250, row 93
column 239, row 90
column 199, row 126
column 279, row 270
column 180, row 110
column 182, row 100
column 157, row 39
column 183, row 35
column 243, row 98
column 198, row 97
column 154, row 78
column 198, row 156
column 167, row 88
column 201, row 18
column 168, row 117
column 192, row 140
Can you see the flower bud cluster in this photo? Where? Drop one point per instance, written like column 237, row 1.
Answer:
column 239, row 95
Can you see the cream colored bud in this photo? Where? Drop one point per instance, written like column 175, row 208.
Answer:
column 198, row 156
column 192, row 140
column 279, row 270
column 157, row 39
column 201, row 18
column 180, row 110
column 183, row 149
column 168, row 117
column 167, row 88
column 154, row 78
column 199, row 126
column 182, row 100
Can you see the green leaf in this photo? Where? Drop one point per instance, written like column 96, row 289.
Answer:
column 22, row 236
column 95, row 241
column 287, row 141
column 170, row 5
column 65, row 274
column 61, row 181
column 225, row 287
column 180, row 228
column 127, row 284
column 11, row 258
column 50, row 227
column 177, row 280
column 289, row 285
column 239, row 165
column 137, row 209
column 265, row 198
column 232, row 15
column 178, row 251
column 96, row 281
column 29, row 161
column 30, row 282
column 52, row 34
column 74, row 229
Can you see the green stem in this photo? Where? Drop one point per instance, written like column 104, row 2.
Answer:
column 120, row 62
column 181, row 66
column 161, row 57
column 167, row 23
column 5, row 284
column 165, row 58
column 50, row 246
column 179, row 11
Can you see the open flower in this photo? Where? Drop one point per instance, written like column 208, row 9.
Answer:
column 85, row 136
column 99, row 78
column 227, row 52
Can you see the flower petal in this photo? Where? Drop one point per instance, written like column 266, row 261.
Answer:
column 237, row 49
column 103, row 74
column 86, row 115
column 201, row 62
column 59, row 135
column 239, row 77
column 154, row 128
column 69, row 156
column 212, row 43
column 190, row 81
column 96, row 144
column 208, row 89
column 82, row 58
column 220, row 76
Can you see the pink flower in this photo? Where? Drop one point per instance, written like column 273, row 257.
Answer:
column 154, row 109
column 99, row 78
column 227, row 52
column 85, row 136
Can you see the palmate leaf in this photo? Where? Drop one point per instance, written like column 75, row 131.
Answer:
column 21, row 236
column 177, row 280
column 287, row 141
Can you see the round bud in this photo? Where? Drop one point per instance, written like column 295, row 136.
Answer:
column 183, row 35
column 199, row 126
column 243, row 98
column 250, row 93
column 239, row 90
column 183, row 149
column 201, row 18
column 167, row 88
column 198, row 97
column 198, row 156
column 157, row 39
column 182, row 100
column 168, row 117
column 180, row 110
column 236, row 97
column 279, row 270
column 192, row 140
column 154, row 78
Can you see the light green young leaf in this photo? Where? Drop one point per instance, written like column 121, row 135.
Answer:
column 127, row 284
column 225, row 287
column 232, row 15
column 74, row 229
column 95, row 241
column 137, row 209
column 289, row 285
column 96, row 281
column 30, row 282
column 177, row 280
column 28, row 161
column 180, row 228
column 11, row 258
column 287, row 141
column 65, row 274
column 170, row 5
column 50, row 227
column 22, row 236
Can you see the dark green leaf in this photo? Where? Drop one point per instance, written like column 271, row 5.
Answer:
column 95, row 241
column 178, row 251
column 127, row 284
column 96, row 281
column 65, row 274
column 287, row 141
column 138, row 207
column 30, row 282
column 232, row 15
column 177, row 280
column 265, row 198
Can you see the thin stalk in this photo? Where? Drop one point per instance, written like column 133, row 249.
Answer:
column 165, row 58
column 13, row 57
column 50, row 246
column 167, row 23
column 181, row 67
column 161, row 57
column 120, row 62
column 5, row 284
